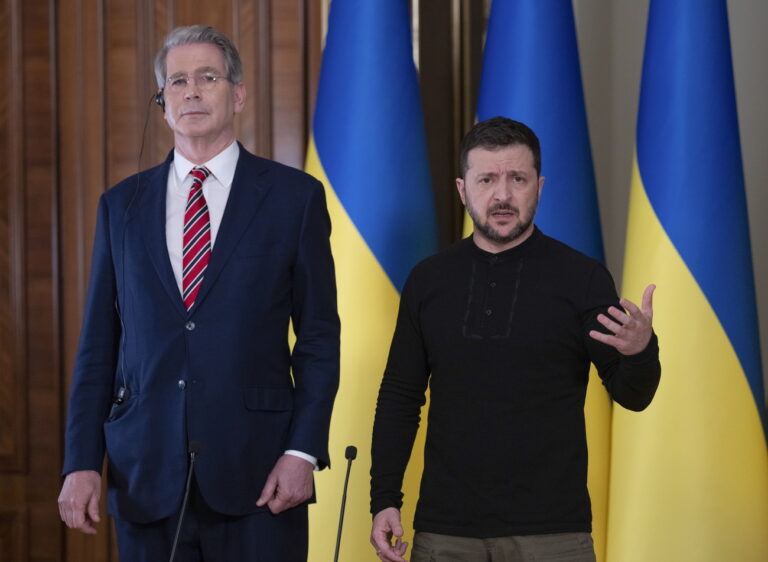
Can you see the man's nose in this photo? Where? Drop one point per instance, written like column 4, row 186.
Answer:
column 192, row 90
column 503, row 191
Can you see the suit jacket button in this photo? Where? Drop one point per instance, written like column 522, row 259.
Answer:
column 182, row 384
column 190, row 325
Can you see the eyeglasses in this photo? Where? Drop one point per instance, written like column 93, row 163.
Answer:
column 205, row 81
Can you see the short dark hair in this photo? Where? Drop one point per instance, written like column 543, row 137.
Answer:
column 200, row 34
column 499, row 132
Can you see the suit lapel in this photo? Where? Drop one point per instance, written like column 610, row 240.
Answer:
column 151, row 217
column 248, row 190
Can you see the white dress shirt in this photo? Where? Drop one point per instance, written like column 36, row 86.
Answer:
column 216, row 190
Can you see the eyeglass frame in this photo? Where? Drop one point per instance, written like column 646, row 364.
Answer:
column 205, row 81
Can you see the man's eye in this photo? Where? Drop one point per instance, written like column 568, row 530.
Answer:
column 178, row 82
column 209, row 78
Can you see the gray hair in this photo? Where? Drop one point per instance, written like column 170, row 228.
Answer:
column 200, row 34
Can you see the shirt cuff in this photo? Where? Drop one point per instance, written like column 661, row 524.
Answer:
column 309, row 458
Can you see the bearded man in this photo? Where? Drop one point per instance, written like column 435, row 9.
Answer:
column 502, row 327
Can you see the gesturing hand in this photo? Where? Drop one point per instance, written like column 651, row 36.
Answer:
column 631, row 332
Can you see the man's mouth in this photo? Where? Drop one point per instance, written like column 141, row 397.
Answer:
column 503, row 212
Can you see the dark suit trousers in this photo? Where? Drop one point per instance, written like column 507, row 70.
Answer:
column 207, row 536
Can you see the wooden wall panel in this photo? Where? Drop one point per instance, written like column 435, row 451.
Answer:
column 217, row 14
column 81, row 150
column 82, row 125
column 40, row 187
column 12, row 399
column 252, row 34
column 12, row 535
column 288, row 102
column 127, row 91
column 13, row 429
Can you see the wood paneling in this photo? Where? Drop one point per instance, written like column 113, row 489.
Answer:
column 253, row 35
column 12, row 324
column 289, row 114
column 12, row 535
column 39, row 191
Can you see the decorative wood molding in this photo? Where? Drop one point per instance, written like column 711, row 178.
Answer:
column 12, row 535
column 13, row 325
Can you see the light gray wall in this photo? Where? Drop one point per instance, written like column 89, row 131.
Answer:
column 611, row 42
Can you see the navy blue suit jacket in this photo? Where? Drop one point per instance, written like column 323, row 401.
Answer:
column 221, row 376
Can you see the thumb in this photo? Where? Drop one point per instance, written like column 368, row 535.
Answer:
column 268, row 492
column 397, row 528
column 648, row 299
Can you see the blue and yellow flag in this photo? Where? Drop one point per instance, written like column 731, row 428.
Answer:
column 369, row 149
column 689, row 476
column 533, row 76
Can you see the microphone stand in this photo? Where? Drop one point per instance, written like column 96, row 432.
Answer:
column 350, row 454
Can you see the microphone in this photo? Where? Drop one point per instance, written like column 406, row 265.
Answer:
column 350, row 454
column 193, row 447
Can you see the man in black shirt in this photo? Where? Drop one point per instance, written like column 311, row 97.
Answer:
column 502, row 327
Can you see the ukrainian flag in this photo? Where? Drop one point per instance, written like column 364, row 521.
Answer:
column 533, row 76
column 368, row 147
column 689, row 476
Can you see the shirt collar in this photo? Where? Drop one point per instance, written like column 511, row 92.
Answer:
column 222, row 166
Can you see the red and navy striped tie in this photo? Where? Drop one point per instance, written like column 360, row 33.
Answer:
column 197, row 238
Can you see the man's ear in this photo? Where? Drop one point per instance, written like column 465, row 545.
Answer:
column 460, row 186
column 238, row 91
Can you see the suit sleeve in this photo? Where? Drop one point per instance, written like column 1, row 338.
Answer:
column 315, row 358
column 95, row 364
column 631, row 380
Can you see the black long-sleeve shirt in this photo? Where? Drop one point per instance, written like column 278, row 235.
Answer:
column 503, row 342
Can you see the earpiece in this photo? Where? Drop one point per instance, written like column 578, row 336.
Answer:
column 160, row 99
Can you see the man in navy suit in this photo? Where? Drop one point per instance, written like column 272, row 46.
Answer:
column 184, row 376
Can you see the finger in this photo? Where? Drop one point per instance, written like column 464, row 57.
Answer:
column 618, row 314
column 93, row 508
column 389, row 555
column 630, row 306
column 379, row 540
column 87, row 528
column 268, row 492
column 385, row 550
column 609, row 323
column 604, row 338
column 76, row 517
column 277, row 505
column 648, row 300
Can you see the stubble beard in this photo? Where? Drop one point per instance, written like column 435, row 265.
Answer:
column 494, row 235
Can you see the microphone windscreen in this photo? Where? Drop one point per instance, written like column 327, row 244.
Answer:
column 351, row 452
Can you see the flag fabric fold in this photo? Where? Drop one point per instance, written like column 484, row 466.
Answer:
column 533, row 76
column 689, row 476
column 368, row 147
